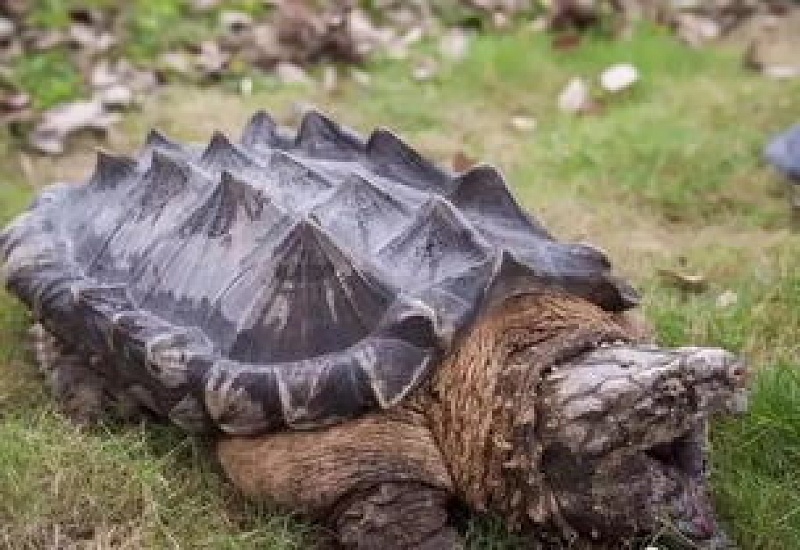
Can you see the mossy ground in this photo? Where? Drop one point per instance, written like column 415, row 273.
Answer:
column 670, row 176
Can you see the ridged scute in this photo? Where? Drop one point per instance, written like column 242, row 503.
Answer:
column 287, row 280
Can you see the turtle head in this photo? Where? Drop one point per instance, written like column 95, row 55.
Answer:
column 623, row 440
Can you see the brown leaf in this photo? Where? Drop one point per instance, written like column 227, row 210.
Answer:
column 461, row 162
column 565, row 42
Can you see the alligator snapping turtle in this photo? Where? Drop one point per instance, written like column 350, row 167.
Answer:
column 371, row 337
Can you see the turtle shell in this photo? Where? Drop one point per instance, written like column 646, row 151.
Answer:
column 286, row 280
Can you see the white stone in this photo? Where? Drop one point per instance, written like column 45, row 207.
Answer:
column 619, row 77
column 289, row 73
column 7, row 28
column 575, row 96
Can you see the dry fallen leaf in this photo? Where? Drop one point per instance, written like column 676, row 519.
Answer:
column 57, row 124
column 523, row 123
column 727, row 299
column 684, row 281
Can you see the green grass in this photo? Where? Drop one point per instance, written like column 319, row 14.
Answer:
column 670, row 176
column 49, row 77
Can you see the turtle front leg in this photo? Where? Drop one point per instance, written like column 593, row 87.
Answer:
column 378, row 481
column 83, row 392
column 399, row 515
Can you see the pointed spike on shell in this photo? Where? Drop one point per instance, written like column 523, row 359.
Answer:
column 167, row 177
column 483, row 190
column 319, row 133
column 222, row 154
column 289, row 171
column 261, row 129
column 156, row 139
column 307, row 236
column 391, row 156
column 231, row 198
column 242, row 194
column 110, row 170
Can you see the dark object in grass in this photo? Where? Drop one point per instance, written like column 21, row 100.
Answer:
column 783, row 152
column 370, row 336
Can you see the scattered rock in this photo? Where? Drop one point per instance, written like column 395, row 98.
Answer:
column 454, row 44
column 684, row 281
column 40, row 40
column 106, row 74
column 575, row 98
column 362, row 78
column 117, row 96
column 523, row 123
column 696, row 30
column 90, row 39
column 211, row 60
column 246, row 86
column 425, row 70
column 235, row 22
column 178, row 63
column 15, row 101
column 727, row 299
column 7, row 29
column 774, row 46
column 366, row 37
column 289, row 73
column 58, row 124
column 15, row 107
column 14, row 8
column 619, row 77
column 201, row 6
